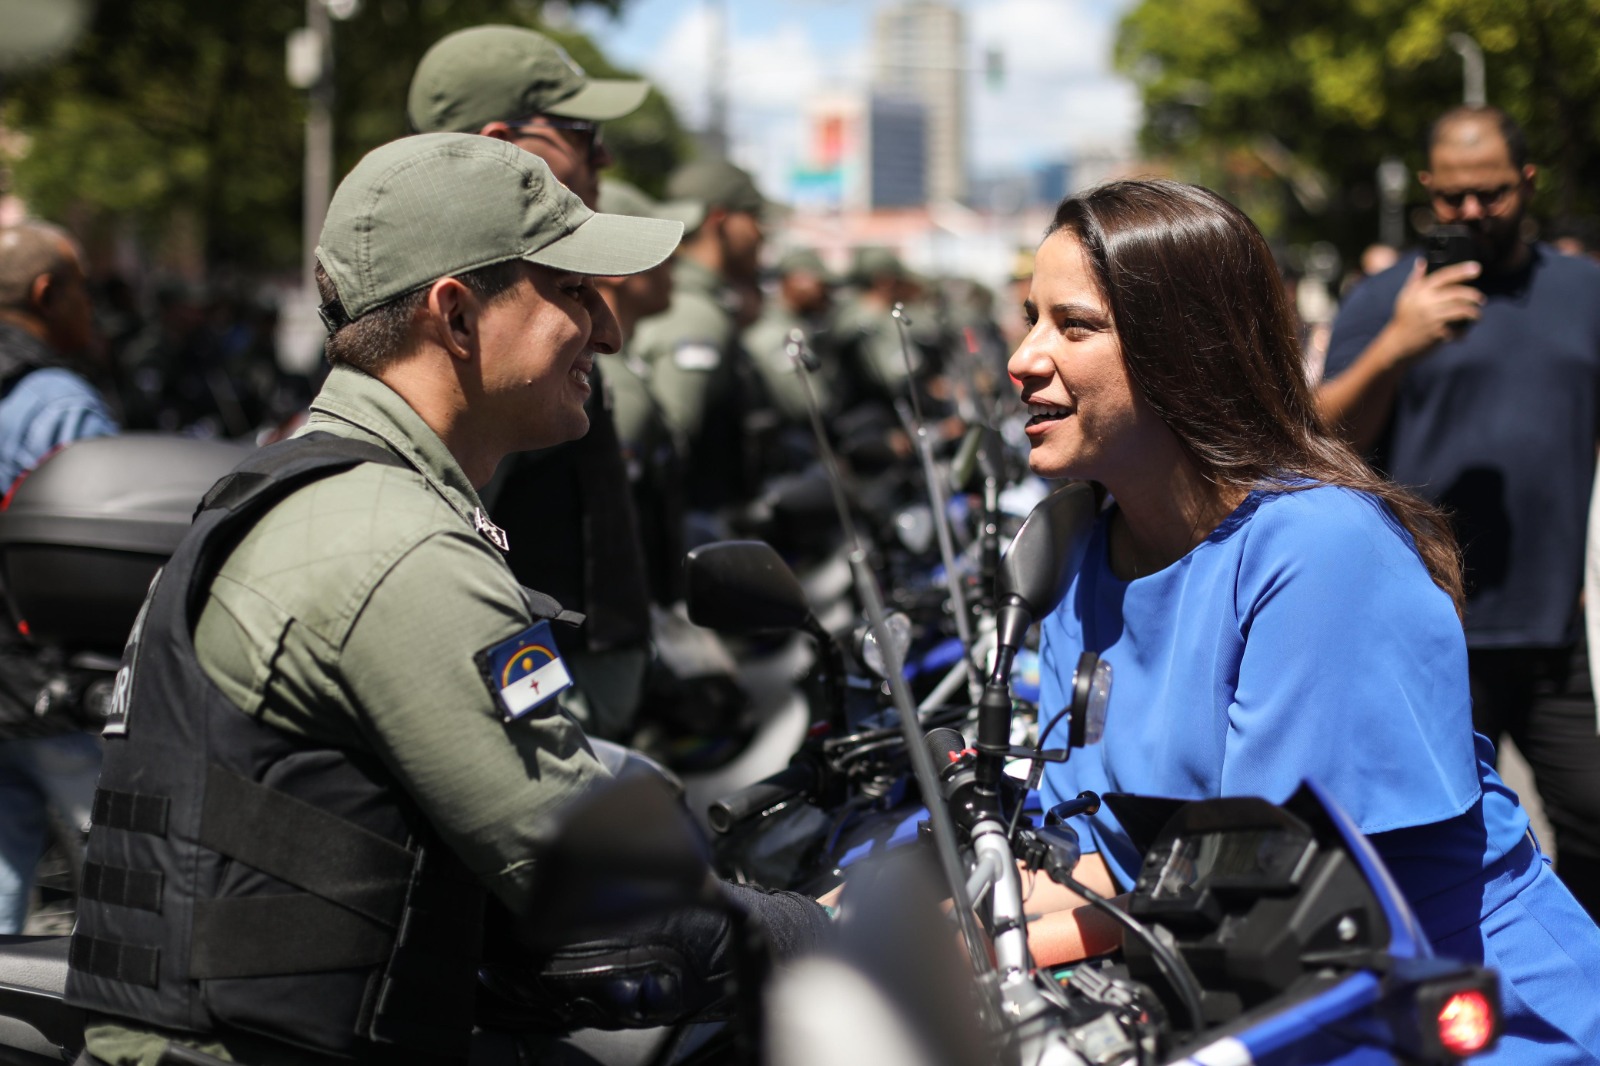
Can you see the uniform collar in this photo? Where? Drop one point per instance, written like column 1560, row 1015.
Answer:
column 354, row 398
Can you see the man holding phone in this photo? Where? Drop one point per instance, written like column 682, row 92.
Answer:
column 1471, row 373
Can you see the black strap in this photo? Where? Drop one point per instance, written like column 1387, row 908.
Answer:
column 121, row 886
column 115, row 960
column 136, row 812
column 304, row 845
column 287, row 464
column 263, row 936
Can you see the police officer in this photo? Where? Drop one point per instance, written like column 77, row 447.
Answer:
column 334, row 735
column 654, row 468
column 697, row 366
column 869, row 340
column 574, row 530
column 803, row 300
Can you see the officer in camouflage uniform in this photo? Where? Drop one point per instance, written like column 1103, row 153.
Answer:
column 306, row 805
column 698, row 369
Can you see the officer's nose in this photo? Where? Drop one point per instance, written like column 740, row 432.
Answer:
column 605, row 333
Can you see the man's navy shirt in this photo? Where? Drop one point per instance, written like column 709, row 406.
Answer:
column 1500, row 426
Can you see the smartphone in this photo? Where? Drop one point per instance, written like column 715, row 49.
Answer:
column 1447, row 245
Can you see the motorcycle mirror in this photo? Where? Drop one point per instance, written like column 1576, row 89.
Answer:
column 625, row 851
column 871, row 652
column 1029, row 584
column 743, row 586
column 914, row 527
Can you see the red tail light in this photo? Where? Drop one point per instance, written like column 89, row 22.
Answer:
column 1467, row 1023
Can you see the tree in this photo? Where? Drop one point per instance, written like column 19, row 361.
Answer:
column 1277, row 100
column 172, row 119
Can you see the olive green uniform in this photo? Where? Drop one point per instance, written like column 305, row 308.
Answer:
column 694, row 356
column 767, row 341
column 869, row 347
column 351, row 616
column 654, row 471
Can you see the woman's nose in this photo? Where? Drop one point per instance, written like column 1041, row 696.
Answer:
column 1029, row 360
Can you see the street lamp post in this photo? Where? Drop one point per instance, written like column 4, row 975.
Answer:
column 1392, row 199
column 1471, row 55
column 309, row 67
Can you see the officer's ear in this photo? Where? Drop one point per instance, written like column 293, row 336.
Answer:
column 451, row 320
column 42, row 293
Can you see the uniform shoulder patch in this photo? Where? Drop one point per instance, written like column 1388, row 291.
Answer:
column 697, row 355
column 525, row 671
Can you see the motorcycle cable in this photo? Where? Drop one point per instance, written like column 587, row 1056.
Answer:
column 1176, row 970
column 1035, row 769
column 941, row 517
column 944, row 834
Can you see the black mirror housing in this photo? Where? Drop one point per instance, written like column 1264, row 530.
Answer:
column 743, row 586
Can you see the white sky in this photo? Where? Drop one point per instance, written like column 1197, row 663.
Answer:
column 1059, row 97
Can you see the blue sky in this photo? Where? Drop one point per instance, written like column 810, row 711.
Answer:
column 1059, row 98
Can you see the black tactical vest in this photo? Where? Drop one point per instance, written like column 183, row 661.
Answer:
column 239, row 878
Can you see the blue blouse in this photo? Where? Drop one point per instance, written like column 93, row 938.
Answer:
column 1302, row 639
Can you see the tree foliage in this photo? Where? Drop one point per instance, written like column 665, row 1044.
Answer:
column 1249, row 93
column 173, row 121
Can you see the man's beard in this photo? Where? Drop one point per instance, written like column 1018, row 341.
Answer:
column 1497, row 239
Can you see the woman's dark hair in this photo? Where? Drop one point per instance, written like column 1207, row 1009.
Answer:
column 1210, row 341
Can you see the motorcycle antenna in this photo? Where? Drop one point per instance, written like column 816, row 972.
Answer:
column 941, row 517
column 944, row 834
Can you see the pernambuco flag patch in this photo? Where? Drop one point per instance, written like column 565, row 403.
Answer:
column 525, row 671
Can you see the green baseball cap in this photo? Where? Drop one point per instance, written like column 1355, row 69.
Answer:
column 500, row 73
column 620, row 198
column 717, row 183
column 875, row 261
column 425, row 207
column 804, row 260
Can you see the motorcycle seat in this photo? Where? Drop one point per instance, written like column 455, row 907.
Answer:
column 34, row 1019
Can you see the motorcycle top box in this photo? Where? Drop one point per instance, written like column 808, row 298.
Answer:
column 82, row 536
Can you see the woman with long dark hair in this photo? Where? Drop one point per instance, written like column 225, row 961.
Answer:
column 1272, row 610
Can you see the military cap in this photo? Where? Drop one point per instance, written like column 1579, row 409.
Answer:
column 717, row 183
column 425, row 207
column 875, row 261
column 619, row 198
column 500, row 73
column 804, row 260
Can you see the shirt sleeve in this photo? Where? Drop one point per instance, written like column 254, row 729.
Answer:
column 1354, row 668
column 68, row 409
column 408, row 667
column 1366, row 311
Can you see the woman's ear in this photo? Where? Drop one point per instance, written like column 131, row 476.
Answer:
column 453, row 311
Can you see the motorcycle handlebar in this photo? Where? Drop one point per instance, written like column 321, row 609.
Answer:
column 765, row 794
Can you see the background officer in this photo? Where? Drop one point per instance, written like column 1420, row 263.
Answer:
column 655, row 471
column 567, row 510
column 697, row 366
column 803, row 300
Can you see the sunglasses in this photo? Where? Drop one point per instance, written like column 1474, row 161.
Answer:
column 588, row 131
column 1488, row 199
